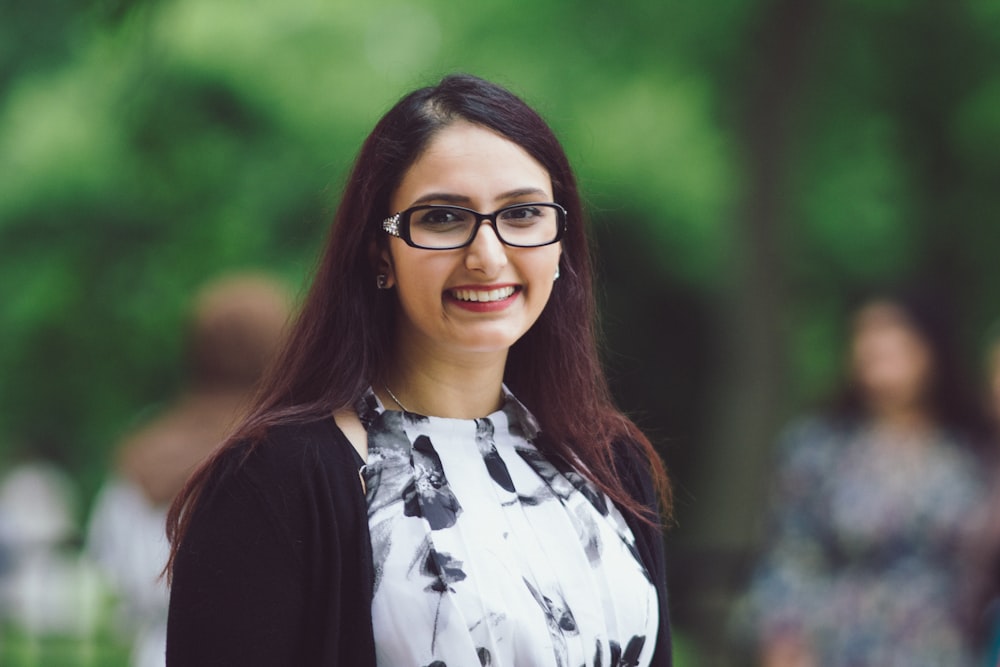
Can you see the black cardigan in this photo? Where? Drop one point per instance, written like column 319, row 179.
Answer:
column 276, row 566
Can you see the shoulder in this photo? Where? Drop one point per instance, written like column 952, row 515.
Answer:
column 632, row 466
column 315, row 447
column 320, row 436
column 292, row 492
column 813, row 441
column 961, row 465
column 815, row 428
column 290, row 474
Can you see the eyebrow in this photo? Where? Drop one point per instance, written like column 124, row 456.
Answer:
column 451, row 198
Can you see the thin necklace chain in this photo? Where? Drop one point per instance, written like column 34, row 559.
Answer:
column 393, row 396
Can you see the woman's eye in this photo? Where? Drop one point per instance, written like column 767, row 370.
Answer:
column 439, row 216
column 522, row 214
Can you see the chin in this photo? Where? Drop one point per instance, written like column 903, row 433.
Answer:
column 490, row 342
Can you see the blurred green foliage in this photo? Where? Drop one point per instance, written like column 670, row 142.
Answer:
column 20, row 649
column 146, row 146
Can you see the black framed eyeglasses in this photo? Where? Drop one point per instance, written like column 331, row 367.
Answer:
column 437, row 227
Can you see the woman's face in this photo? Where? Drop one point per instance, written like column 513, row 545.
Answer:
column 891, row 361
column 485, row 296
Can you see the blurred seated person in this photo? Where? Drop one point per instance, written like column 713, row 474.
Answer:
column 874, row 503
column 236, row 325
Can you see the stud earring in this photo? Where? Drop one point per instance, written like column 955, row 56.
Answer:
column 382, row 281
column 557, row 275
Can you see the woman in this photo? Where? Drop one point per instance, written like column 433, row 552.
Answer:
column 389, row 501
column 873, row 507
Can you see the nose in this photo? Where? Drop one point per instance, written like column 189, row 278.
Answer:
column 486, row 253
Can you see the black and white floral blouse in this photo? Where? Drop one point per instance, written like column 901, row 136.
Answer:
column 487, row 553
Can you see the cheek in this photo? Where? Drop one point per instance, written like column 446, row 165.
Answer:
column 544, row 280
column 545, row 265
column 418, row 282
column 922, row 371
column 418, row 269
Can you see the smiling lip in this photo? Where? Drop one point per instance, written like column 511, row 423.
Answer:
column 485, row 298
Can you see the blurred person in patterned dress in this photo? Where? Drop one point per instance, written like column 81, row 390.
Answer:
column 874, row 507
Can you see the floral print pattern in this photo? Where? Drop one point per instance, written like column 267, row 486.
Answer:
column 864, row 552
column 427, row 494
column 486, row 552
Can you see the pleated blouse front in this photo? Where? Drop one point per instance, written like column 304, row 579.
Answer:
column 488, row 553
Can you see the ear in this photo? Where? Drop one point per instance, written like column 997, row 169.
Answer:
column 381, row 260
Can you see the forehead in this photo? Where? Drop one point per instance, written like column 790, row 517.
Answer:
column 881, row 327
column 881, row 315
column 473, row 162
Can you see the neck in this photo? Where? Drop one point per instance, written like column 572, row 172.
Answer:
column 903, row 420
column 458, row 387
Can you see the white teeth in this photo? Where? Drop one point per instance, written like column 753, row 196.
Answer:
column 482, row 295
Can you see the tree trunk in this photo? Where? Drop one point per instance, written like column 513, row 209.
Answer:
column 752, row 377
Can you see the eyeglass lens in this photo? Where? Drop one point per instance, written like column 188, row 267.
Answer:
column 448, row 226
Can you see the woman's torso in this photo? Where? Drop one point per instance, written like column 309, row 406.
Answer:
column 486, row 552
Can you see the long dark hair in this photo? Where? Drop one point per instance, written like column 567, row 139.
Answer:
column 341, row 341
